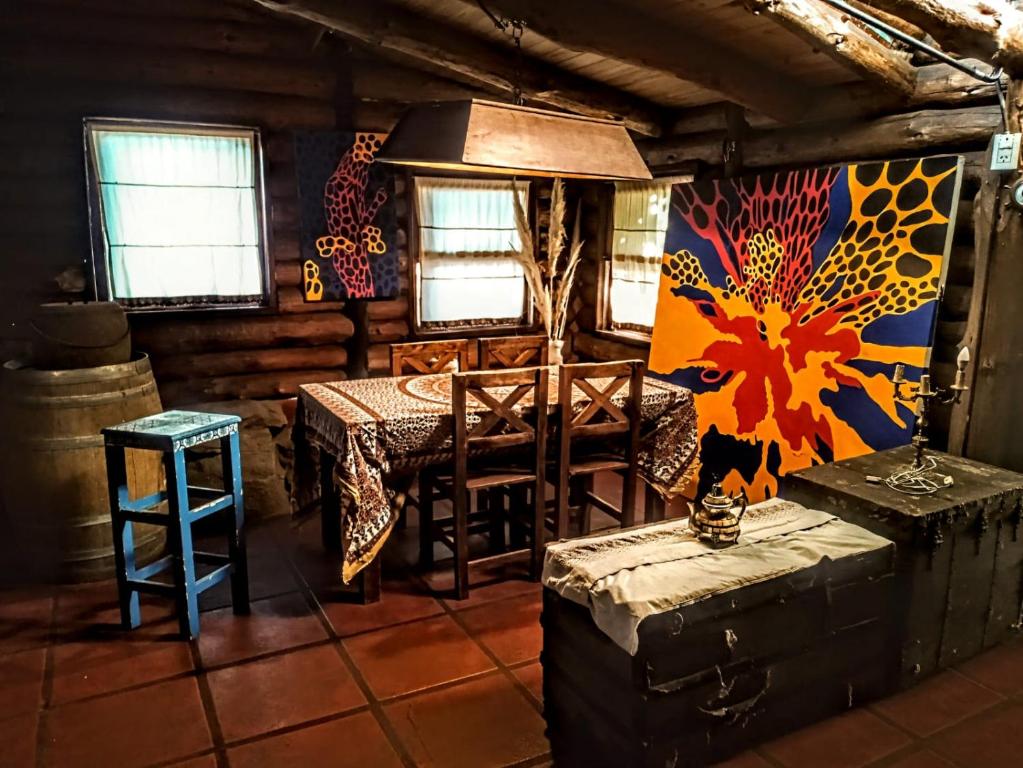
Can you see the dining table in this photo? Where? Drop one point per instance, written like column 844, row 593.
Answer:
column 369, row 437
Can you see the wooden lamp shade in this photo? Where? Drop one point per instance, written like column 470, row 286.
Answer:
column 489, row 137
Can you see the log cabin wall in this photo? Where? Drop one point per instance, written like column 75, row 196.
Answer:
column 193, row 61
column 949, row 114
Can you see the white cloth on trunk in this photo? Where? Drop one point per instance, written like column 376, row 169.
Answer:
column 625, row 576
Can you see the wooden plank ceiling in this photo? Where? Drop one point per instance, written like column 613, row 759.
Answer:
column 647, row 61
column 725, row 21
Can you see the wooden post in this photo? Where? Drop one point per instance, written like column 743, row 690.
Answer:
column 985, row 213
column 355, row 310
column 996, row 407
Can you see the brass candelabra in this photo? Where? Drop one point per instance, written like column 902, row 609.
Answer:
column 914, row 479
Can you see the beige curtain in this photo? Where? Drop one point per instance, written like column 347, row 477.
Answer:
column 467, row 236
column 637, row 246
column 180, row 214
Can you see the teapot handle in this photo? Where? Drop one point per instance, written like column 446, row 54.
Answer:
column 745, row 502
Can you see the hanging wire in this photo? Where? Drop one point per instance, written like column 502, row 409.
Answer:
column 501, row 24
column 918, row 481
column 994, row 77
column 517, row 27
column 514, row 28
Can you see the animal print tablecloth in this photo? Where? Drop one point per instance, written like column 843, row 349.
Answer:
column 379, row 428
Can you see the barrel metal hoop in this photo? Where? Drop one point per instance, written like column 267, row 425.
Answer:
column 87, row 375
column 75, row 443
column 92, row 398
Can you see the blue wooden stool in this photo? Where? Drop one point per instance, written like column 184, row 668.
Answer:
column 172, row 432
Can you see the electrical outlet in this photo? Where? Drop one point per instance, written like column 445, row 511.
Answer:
column 1005, row 153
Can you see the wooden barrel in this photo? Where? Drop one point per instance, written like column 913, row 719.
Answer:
column 54, row 468
column 80, row 335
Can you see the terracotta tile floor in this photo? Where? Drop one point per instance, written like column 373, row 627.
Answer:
column 415, row 680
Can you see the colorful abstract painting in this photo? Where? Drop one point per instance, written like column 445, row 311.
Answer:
column 348, row 221
column 785, row 302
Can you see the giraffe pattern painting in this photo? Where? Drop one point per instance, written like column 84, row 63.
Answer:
column 785, row 302
column 348, row 244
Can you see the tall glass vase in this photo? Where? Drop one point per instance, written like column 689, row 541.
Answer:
column 555, row 349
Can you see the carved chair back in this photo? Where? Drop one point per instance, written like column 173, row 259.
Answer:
column 512, row 352
column 598, row 414
column 429, row 357
column 499, row 425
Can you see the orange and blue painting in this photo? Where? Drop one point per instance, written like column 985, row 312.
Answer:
column 787, row 299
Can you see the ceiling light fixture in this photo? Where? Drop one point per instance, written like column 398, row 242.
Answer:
column 478, row 136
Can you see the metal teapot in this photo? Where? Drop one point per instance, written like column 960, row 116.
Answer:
column 714, row 521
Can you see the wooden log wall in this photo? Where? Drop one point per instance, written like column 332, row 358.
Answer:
column 936, row 124
column 191, row 61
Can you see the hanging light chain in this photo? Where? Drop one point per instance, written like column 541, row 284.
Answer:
column 517, row 28
column 514, row 28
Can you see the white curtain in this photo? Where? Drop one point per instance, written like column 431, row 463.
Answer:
column 180, row 212
column 637, row 246
column 467, row 235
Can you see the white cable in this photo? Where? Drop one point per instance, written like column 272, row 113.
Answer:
column 915, row 481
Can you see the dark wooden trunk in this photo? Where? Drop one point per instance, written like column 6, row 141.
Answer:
column 712, row 678
column 959, row 551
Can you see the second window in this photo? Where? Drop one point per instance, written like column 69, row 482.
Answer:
column 466, row 271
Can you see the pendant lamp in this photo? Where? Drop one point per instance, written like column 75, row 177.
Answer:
column 480, row 136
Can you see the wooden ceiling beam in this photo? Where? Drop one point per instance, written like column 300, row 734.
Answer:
column 616, row 30
column 991, row 30
column 892, row 21
column 394, row 30
column 889, row 136
column 842, row 39
column 937, row 85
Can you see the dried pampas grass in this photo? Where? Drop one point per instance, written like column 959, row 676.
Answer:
column 549, row 284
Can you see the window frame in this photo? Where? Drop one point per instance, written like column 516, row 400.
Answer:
column 484, row 326
column 99, row 261
column 605, row 326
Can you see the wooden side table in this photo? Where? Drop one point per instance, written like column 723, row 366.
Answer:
column 171, row 433
column 959, row 551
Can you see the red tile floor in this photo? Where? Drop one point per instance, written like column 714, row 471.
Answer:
column 415, row 680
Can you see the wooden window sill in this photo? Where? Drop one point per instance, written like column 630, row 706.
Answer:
column 635, row 338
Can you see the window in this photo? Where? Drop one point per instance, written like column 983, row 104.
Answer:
column 633, row 271
column 466, row 272
column 177, row 214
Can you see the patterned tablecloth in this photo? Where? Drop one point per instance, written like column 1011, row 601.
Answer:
column 376, row 428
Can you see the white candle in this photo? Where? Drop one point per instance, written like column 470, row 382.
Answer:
column 900, row 374
column 964, row 358
column 925, row 384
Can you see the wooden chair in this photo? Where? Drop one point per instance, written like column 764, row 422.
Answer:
column 512, row 352
column 499, row 428
column 429, row 357
column 597, row 435
column 425, row 357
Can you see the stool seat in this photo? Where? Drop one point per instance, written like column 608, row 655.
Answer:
column 171, row 432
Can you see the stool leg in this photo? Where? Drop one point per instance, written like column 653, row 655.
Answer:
column 181, row 534
column 230, row 457
column 124, row 544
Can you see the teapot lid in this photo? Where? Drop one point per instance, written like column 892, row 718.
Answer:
column 717, row 495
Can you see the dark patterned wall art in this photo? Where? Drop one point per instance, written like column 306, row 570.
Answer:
column 348, row 222
column 787, row 299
